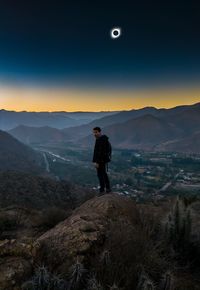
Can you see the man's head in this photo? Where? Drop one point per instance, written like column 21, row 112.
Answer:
column 97, row 132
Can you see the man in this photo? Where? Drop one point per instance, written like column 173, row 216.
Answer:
column 100, row 158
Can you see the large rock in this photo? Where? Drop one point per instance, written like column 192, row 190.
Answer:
column 15, row 263
column 13, row 271
column 83, row 233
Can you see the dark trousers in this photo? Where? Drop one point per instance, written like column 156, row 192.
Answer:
column 103, row 177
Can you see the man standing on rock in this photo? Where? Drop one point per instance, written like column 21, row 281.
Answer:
column 101, row 156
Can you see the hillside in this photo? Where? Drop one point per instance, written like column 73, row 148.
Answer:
column 32, row 135
column 26, row 190
column 14, row 155
column 107, row 241
column 189, row 144
column 188, row 120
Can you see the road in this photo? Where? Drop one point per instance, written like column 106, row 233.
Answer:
column 46, row 162
column 54, row 155
column 168, row 184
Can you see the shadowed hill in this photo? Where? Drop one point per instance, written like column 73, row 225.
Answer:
column 29, row 191
column 189, row 144
column 31, row 135
column 14, row 155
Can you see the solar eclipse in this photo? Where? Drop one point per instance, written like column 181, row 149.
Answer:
column 115, row 32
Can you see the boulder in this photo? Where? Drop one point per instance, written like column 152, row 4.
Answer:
column 83, row 233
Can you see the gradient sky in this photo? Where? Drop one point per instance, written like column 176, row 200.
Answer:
column 58, row 55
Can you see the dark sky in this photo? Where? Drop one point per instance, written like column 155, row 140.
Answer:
column 69, row 41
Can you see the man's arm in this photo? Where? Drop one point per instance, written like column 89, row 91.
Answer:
column 98, row 156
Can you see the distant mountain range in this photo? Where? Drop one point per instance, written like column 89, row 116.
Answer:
column 142, row 132
column 12, row 119
column 148, row 128
column 185, row 118
column 151, row 129
column 14, row 155
column 31, row 135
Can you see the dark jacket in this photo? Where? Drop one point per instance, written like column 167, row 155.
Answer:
column 100, row 149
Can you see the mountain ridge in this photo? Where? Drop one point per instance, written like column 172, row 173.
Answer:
column 18, row 156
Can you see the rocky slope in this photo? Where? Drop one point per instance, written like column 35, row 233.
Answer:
column 109, row 239
column 84, row 231
column 77, row 237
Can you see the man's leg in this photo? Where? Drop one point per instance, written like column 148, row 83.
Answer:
column 100, row 174
column 105, row 177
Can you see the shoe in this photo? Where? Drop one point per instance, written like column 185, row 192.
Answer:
column 108, row 190
column 101, row 192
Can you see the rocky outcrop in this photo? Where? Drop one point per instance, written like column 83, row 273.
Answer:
column 83, row 233
column 15, row 263
column 81, row 236
column 110, row 237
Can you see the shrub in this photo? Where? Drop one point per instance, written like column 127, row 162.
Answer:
column 6, row 223
column 44, row 280
column 51, row 216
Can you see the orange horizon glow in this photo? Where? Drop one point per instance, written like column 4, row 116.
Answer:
column 40, row 99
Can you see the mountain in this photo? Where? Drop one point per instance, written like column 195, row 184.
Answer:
column 87, row 117
column 188, row 119
column 145, row 129
column 141, row 133
column 31, row 135
column 11, row 119
column 124, row 116
column 14, row 155
column 170, row 130
column 81, row 131
column 78, row 132
column 189, row 144
column 59, row 120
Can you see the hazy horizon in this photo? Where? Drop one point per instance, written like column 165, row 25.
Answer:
column 80, row 111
